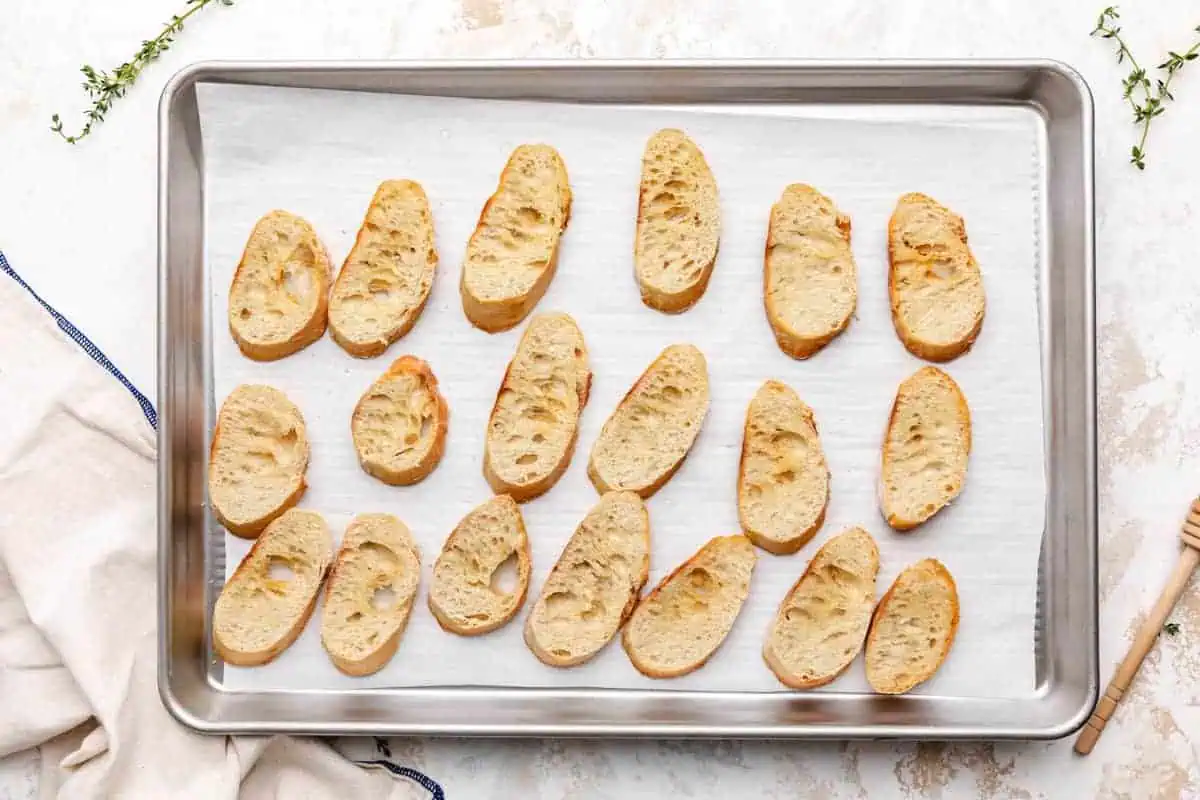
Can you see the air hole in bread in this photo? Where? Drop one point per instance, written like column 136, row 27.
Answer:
column 379, row 555
column 280, row 569
column 525, row 459
column 355, row 617
column 787, row 476
column 559, row 604
column 505, row 577
column 538, row 439
column 383, row 598
column 701, row 580
column 786, row 439
column 595, row 610
column 298, row 282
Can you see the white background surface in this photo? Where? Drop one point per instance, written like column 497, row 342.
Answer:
column 320, row 154
column 100, row 272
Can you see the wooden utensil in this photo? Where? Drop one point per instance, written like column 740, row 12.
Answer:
column 1188, row 559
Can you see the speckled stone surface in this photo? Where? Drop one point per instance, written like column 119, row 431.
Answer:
column 101, row 195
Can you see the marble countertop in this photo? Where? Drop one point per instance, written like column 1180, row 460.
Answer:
column 101, row 195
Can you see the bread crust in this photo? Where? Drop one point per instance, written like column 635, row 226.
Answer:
column 418, row 472
column 368, row 348
column 494, row 316
column 229, row 652
column 647, row 490
column 653, row 296
column 775, row 662
column 705, row 552
column 790, row 341
column 523, row 492
column 947, row 641
column 919, row 347
column 250, row 529
column 760, row 538
column 962, row 411
column 314, row 325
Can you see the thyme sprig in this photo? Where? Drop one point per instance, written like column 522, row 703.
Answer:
column 105, row 88
column 1147, row 99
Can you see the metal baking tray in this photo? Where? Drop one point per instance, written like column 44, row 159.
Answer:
column 1065, row 639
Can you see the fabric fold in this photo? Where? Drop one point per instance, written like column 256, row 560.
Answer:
column 77, row 593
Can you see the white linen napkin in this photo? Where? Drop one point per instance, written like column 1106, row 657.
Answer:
column 77, row 594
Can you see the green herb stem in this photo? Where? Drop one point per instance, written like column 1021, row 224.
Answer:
column 1147, row 100
column 105, row 88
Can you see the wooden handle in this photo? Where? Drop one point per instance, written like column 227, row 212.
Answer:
column 1142, row 643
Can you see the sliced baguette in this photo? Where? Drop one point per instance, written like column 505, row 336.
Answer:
column 678, row 225
column 513, row 253
column 279, row 296
column 913, row 628
column 678, row 626
column 369, row 594
column 258, row 458
column 268, row 599
column 651, row 431
column 810, row 284
column 595, row 584
column 783, row 479
column 925, row 449
column 385, row 280
column 821, row 623
column 468, row 595
column 934, row 284
column 399, row 425
column 535, row 419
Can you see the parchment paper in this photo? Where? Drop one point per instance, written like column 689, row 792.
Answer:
column 321, row 154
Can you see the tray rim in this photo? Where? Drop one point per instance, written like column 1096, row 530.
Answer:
column 252, row 72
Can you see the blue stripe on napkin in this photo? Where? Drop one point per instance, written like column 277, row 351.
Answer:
column 88, row 347
column 436, row 792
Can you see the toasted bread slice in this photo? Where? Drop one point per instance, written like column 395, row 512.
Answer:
column 934, row 284
column 369, row 594
column 469, row 595
column 783, row 479
column 399, row 425
column 385, row 280
column 913, row 628
column 535, row 419
column 650, row 433
column 513, row 253
column 678, row 225
column 279, row 297
column 595, row 584
column 268, row 599
column 821, row 623
column 678, row 626
column 810, row 284
column 925, row 449
column 258, row 458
